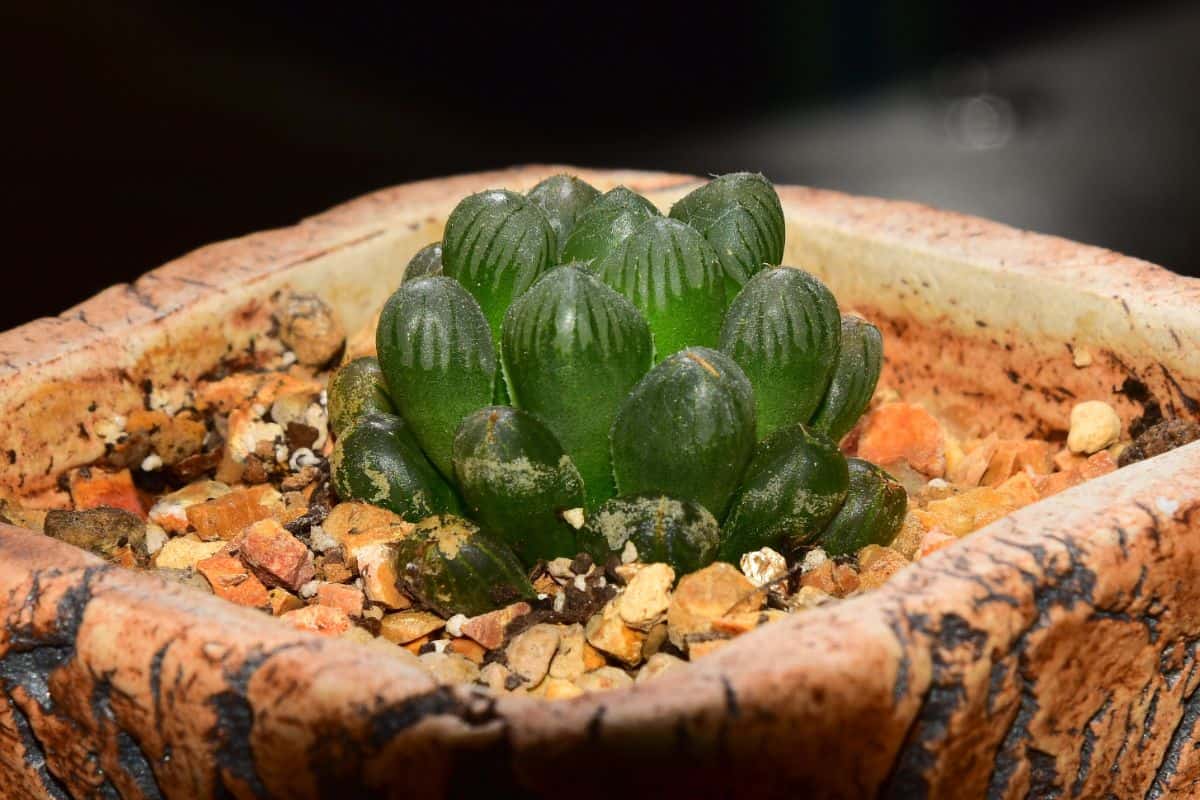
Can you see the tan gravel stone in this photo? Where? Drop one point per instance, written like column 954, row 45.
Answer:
column 309, row 328
column 377, row 566
column 347, row 597
column 183, row 552
column 607, row 632
column 406, row 626
column 227, row 516
column 495, row 676
column 644, row 601
column 233, row 581
column 706, row 595
column 656, row 665
column 450, row 667
column 1094, row 426
column 530, row 652
column 282, row 601
column 877, row 565
column 568, row 663
column 356, row 525
column 560, row 689
column 170, row 512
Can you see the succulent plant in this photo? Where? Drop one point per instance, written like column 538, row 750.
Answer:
column 587, row 375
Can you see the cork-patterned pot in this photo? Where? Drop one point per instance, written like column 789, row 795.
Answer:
column 1051, row 654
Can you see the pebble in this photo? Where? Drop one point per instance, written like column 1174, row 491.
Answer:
column 407, row 626
column 764, row 566
column 348, row 598
column 377, row 570
column 450, row 667
column 707, row 595
column 233, row 581
column 646, row 597
column 184, row 552
column 656, row 665
column 325, row 620
column 282, row 601
column 1094, row 426
column 277, row 557
column 559, row 689
column 607, row 632
column 569, row 662
column 356, row 525
column 530, row 652
column 495, row 676
column 226, row 516
column 604, row 679
column 309, row 328
column 455, row 623
column 489, row 629
column 102, row 531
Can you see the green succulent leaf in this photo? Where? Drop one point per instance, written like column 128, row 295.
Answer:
column 496, row 244
column 355, row 390
column 607, row 222
column 563, row 198
column 453, row 567
column 859, row 362
column 784, row 330
column 572, row 349
column 794, row 485
column 427, row 261
column 663, row 529
column 438, row 359
column 378, row 461
column 741, row 217
column 686, row 429
column 673, row 276
column 872, row 514
column 517, row 480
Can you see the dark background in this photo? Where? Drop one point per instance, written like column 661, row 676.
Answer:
column 136, row 131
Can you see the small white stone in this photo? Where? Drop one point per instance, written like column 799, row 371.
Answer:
column 938, row 483
column 309, row 589
column 574, row 517
column 110, row 430
column 321, row 540
column 763, row 566
column 560, row 570
column 288, row 358
column 439, row 645
column 454, row 625
column 303, row 457
column 1094, row 426
column 156, row 537
column 629, row 554
column 1082, row 357
column 813, row 559
column 581, row 583
column 541, row 595
column 152, row 463
column 560, row 603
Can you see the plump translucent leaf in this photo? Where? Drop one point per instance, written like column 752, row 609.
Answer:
column 606, row 223
column 859, row 362
column 496, row 244
column 686, row 429
column 784, row 330
column 438, row 359
column 673, row 276
column 427, row 261
column 355, row 390
column 572, row 349
column 563, row 198
column 872, row 514
column 794, row 485
column 517, row 480
column 741, row 217
column 663, row 529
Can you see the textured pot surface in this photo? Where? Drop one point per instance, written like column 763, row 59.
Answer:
column 1051, row 654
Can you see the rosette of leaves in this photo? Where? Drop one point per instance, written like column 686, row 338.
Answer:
column 665, row 391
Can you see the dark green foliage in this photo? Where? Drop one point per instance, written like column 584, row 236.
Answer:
column 516, row 481
column 672, row 275
column 741, row 217
column 378, row 461
column 572, row 349
column 859, row 362
column 686, row 429
column 872, row 514
column 453, row 567
column 606, row 223
column 437, row 357
column 784, row 331
column 355, row 390
column 563, row 198
column 663, row 529
column 794, row 485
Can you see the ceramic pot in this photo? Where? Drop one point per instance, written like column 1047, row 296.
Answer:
column 1050, row 654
